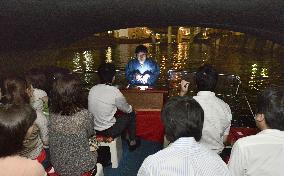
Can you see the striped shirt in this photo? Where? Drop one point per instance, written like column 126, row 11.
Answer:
column 184, row 157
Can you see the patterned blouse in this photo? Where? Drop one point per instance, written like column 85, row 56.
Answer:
column 68, row 142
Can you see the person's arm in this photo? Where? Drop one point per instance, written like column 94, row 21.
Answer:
column 237, row 163
column 227, row 130
column 90, row 124
column 122, row 104
column 129, row 73
column 183, row 87
column 42, row 123
column 154, row 74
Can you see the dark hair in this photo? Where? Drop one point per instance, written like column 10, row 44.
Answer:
column 65, row 95
column 15, row 90
column 141, row 48
column 271, row 103
column 206, row 78
column 14, row 124
column 36, row 78
column 182, row 117
column 106, row 72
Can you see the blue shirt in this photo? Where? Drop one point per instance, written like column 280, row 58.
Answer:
column 149, row 67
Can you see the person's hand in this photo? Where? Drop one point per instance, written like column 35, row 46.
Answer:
column 138, row 77
column 145, row 78
column 184, row 87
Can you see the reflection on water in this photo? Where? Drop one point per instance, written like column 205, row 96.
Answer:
column 256, row 71
column 108, row 55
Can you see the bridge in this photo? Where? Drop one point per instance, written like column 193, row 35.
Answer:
column 27, row 24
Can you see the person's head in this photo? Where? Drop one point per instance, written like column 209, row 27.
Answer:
column 106, row 72
column 66, row 95
column 270, row 109
column 141, row 52
column 206, row 78
column 16, row 90
column 182, row 117
column 15, row 122
column 36, row 78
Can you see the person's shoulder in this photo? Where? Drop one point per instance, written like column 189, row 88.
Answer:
column 149, row 59
column 84, row 113
column 39, row 93
column 161, row 156
column 104, row 89
column 151, row 160
column 222, row 102
column 31, row 167
column 36, row 168
column 97, row 87
column 133, row 60
column 249, row 141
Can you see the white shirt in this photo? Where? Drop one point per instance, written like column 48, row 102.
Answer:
column 217, row 120
column 259, row 155
column 36, row 100
column 184, row 157
column 103, row 102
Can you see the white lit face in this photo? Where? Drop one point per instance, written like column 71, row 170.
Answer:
column 141, row 56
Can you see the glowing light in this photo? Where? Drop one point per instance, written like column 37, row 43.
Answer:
column 88, row 60
column 264, row 73
column 76, row 62
column 108, row 55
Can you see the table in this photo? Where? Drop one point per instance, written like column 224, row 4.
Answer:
column 148, row 105
column 145, row 100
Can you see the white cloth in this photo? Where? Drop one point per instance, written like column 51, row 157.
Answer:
column 103, row 102
column 36, row 100
column 184, row 157
column 42, row 123
column 217, row 120
column 258, row 155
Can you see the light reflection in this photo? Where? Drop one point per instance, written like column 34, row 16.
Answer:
column 76, row 63
column 264, row 73
column 88, row 60
column 181, row 57
column 256, row 79
column 252, row 82
column 108, row 55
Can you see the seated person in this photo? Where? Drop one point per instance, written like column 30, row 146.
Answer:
column 263, row 153
column 36, row 80
column 217, row 113
column 16, row 122
column 183, row 120
column 15, row 89
column 142, row 70
column 103, row 101
column 70, row 127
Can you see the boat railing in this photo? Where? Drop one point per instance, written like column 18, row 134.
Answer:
column 228, row 84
